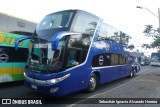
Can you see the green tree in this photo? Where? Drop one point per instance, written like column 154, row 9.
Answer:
column 150, row 31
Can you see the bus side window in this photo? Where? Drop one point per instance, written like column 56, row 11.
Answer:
column 130, row 59
column 114, row 59
column 73, row 58
column 83, row 55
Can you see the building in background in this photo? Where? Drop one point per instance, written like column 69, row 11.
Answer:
column 16, row 25
column 12, row 62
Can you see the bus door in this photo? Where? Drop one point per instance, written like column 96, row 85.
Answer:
column 73, row 60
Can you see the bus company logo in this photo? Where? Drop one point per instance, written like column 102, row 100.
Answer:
column 4, row 57
column 101, row 60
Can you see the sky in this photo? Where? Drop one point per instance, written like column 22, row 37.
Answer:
column 121, row 14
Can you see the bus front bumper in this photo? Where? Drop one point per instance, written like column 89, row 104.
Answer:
column 49, row 87
column 49, row 90
column 155, row 63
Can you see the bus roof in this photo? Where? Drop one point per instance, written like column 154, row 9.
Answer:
column 76, row 10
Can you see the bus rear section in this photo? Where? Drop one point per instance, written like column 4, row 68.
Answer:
column 12, row 62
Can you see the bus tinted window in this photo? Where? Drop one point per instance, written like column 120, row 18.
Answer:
column 124, row 38
column 56, row 20
column 122, row 59
column 84, row 25
column 73, row 57
column 108, row 32
column 80, row 41
column 78, row 46
column 114, row 59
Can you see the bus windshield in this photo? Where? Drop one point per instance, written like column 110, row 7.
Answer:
column 155, row 60
column 53, row 23
column 43, row 59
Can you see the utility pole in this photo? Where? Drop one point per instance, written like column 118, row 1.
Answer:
column 159, row 20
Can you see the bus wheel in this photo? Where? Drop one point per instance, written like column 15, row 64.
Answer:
column 92, row 83
column 132, row 73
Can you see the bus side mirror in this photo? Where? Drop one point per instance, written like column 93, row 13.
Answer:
column 21, row 39
column 58, row 36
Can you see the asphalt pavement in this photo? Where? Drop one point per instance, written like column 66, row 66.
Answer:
column 145, row 86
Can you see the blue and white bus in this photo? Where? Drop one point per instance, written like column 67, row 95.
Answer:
column 74, row 50
column 155, row 59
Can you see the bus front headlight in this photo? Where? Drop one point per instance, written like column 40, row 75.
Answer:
column 56, row 80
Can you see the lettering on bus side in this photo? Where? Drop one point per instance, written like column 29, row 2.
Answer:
column 4, row 39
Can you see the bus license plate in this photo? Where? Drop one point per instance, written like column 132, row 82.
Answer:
column 34, row 86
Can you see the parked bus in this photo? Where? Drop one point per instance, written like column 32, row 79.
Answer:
column 12, row 62
column 155, row 59
column 75, row 50
column 144, row 59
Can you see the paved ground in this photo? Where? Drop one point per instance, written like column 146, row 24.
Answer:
column 143, row 86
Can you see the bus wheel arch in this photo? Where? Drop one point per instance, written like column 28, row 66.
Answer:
column 93, row 81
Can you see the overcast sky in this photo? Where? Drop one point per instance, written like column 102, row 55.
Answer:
column 121, row 14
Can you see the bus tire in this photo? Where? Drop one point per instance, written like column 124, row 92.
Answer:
column 136, row 69
column 132, row 73
column 92, row 83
